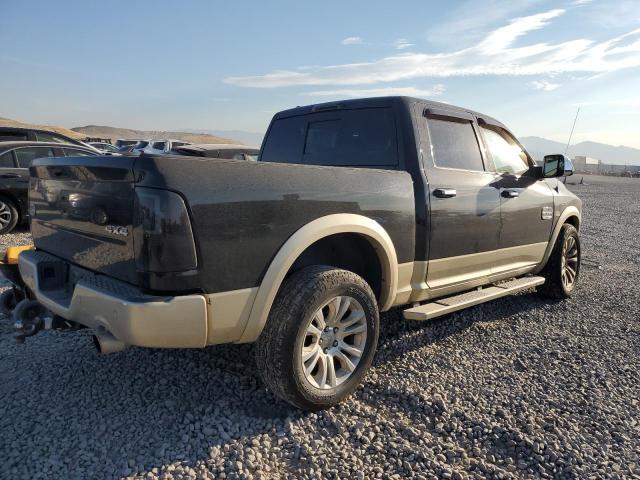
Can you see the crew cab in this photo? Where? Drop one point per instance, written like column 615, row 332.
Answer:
column 352, row 208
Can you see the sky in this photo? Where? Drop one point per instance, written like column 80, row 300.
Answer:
column 231, row 65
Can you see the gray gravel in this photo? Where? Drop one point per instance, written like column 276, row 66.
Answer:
column 521, row 387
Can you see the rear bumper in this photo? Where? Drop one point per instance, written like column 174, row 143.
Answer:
column 101, row 302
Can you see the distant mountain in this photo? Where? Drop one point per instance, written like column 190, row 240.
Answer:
column 101, row 131
column 618, row 155
column 243, row 136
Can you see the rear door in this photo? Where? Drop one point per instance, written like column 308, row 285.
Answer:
column 19, row 177
column 464, row 203
column 526, row 202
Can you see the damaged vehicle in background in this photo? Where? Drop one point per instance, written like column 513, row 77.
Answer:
column 352, row 208
column 218, row 150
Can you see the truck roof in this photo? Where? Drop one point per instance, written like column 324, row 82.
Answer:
column 378, row 102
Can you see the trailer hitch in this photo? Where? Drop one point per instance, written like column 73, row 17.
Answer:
column 31, row 317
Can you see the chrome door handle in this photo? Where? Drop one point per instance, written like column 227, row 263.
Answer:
column 510, row 193
column 444, row 192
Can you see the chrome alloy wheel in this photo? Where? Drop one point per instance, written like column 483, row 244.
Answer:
column 334, row 342
column 569, row 263
column 5, row 215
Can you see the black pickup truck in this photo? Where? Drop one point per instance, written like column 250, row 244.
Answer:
column 353, row 208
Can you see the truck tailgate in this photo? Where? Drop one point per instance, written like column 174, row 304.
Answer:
column 81, row 210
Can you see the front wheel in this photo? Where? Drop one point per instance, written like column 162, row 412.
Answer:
column 563, row 267
column 320, row 337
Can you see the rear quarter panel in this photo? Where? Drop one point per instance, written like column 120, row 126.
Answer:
column 243, row 212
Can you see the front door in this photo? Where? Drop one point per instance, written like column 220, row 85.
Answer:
column 526, row 203
column 464, row 203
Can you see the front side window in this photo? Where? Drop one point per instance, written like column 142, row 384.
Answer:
column 454, row 144
column 6, row 160
column 507, row 155
column 27, row 155
column 50, row 137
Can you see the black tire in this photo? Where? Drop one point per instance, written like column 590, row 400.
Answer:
column 279, row 348
column 554, row 286
column 8, row 215
column 8, row 302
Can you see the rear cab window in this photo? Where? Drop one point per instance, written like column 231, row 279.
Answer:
column 355, row 138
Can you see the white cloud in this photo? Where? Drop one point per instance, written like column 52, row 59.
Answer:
column 580, row 2
column 495, row 55
column 351, row 41
column 543, row 85
column 379, row 92
column 403, row 43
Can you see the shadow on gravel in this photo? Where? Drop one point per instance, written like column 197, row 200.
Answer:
column 394, row 328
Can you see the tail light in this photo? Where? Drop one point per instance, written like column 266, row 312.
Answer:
column 162, row 235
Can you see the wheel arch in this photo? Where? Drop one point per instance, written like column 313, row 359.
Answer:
column 570, row 215
column 305, row 237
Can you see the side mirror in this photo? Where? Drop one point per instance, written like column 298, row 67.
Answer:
column 557, row 165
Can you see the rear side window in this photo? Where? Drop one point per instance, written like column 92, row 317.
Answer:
column 75, row 152
column 158, row 145
column 285, row 141
column 365, row 137
column 6, row 160
column 50, row 137
column 454, row 144
column 28, row 154
column 10, row 136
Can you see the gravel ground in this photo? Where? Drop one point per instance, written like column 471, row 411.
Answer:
column 521, row 387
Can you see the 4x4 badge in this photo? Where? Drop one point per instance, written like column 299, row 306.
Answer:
column 117, row 230
column 547, row 213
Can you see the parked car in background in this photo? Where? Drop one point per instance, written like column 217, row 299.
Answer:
column 106, row 148
column 18, row 134
column 15, row 160
column 218, row 150
column 139, row 147
column 121, row 143
column 163, row 147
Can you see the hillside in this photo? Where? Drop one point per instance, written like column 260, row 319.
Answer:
column 101, row 131
column 619, row 155
column 7, row 122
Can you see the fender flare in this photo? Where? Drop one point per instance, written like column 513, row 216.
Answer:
column 567, row 213
column 305, row 237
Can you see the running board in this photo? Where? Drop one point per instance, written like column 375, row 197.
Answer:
column 443, row 306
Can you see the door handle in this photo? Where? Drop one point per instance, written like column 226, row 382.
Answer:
column 510, row 193
column 444, row 192
column 9, row 175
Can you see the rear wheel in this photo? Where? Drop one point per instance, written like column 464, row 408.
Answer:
column 8, row 215
column 8, row 302
column 563, row 267
column 320, row 337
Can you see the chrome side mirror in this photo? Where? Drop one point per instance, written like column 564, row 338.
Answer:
column 557, row 165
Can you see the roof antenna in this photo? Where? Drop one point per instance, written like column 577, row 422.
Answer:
column 572, row 128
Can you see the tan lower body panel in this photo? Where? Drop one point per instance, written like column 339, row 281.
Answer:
column 228, row 313
column 419, row 281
